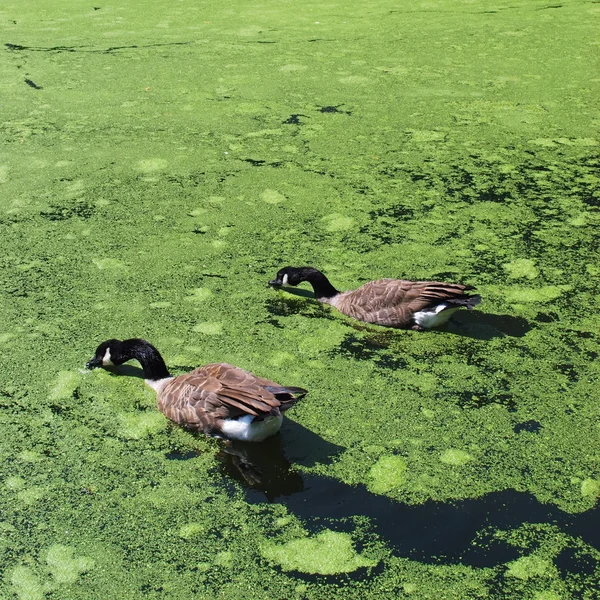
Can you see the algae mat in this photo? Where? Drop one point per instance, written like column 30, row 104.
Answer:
column 159, row 161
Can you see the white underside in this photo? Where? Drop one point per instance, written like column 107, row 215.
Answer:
column 334, row 300
column 157, row 384
column 247, row 429
column 435, row 316
column 106, row 362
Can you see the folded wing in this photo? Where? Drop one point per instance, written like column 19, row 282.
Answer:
column 393, row 302
column 201, row 399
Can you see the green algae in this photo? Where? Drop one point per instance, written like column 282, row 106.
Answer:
column 522, row 268
column 455, row 457
column 388, row 473
column 530, row 566
column 326, row 553
column 26, row 585
column 135, row 426
column 66, row 383
column 590, row 487
column 208, row 328
column 447, row 141
column 191, row 530
column 64, row 566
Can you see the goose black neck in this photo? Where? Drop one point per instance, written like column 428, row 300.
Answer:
column 148, row 356
column 320, row 284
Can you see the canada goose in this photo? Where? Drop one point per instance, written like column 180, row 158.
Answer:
column 218, row 399
column 390, row 302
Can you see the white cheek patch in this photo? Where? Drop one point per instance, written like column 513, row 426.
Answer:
column 284, row 281
column 106, row 359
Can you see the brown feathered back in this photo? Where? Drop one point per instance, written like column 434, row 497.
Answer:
column 393, row 302
column 202, row 399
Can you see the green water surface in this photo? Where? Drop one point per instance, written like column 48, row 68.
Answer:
column 161, row 160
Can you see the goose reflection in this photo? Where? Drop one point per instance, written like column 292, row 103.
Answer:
column 266, row 469
column 261, row 467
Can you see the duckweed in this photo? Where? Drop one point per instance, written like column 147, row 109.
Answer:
column 326, row 553
column 387, row 473
column 529, row 566
column 63, row 566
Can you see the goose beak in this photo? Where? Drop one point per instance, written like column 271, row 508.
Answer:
column 92, row 364
column 275, row 283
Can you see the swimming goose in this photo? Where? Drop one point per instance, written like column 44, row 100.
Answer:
column 390, row 302
column 218, row 399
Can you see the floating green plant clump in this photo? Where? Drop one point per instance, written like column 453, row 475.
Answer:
column 326, row 553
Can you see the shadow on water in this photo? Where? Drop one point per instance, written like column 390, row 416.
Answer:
column 125, row 370
column 433, row 532
column 485, row 326
column 266, row 468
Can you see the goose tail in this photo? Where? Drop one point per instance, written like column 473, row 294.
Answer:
column 468, row 302
column 288, row 395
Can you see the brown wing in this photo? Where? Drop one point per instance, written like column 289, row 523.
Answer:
column 209, row 394
column 393, row 302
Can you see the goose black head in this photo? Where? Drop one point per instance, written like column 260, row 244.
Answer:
column 110, row 352
column 293, row 276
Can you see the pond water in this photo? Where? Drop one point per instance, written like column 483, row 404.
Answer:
column 160, row 161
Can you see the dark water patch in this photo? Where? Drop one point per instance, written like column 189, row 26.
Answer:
column 364, row 347
column 371, row 347
column 479, row 399
column 384, row 219
column 32, row 84
column 295, row 119
column 334, row 109
column 591, row 200
column 271, row 321
column 192, row 179
column 530, row 426
column 281, row 306
column 575, row 560
column 255, row 162
column 548, row 317
column 569, row 370
column 269, row 475
column 83, row 210
column 258, row 162
column 584, row 334
column 181, row 455
column 340, row 579
column 19, row 47
column 397, row 212
column 14, row 399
